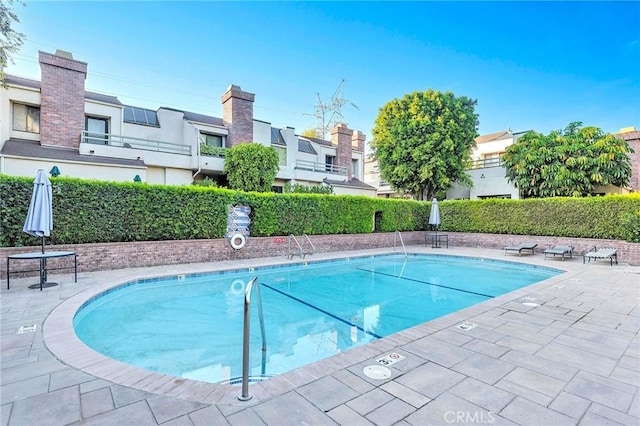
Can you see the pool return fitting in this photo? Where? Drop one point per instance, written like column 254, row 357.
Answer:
column 244, row 395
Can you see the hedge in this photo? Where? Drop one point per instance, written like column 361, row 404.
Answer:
column 96, row 211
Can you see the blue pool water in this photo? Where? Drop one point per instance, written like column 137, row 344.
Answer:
column 191, row 326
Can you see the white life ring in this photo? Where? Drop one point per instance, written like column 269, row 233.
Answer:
column 237, row 287
column 237, row 241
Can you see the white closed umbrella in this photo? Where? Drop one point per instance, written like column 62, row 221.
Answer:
column 39, row 221
column 434, row 216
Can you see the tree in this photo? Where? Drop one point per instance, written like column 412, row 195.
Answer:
column 10, row 39
column 298, row 188
column 423, row 141
column 251, row 167
column 567, row 163
column 312, row 133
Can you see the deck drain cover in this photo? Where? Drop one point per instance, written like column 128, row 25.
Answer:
column 532, row 304
column 528, row 299
column 377, row 372
column 466, row 326
column 27, row 329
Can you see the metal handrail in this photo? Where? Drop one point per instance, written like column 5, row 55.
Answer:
column 289, row 252
column 303, row 253
column 398, row 234
column 313, row 248
column 244, row 395
column 135, row 143
column 321, row 167
column 484, row 163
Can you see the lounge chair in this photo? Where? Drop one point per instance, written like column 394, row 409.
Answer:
column 602, row 253
column 528, row 248
column 559, row 251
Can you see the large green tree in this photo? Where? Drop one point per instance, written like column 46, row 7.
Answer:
column 567, row 163
column 251, row 167
column 10, row 39
column 423, row 141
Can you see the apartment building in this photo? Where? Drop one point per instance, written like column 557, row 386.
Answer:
column 56, row 125
column 486, row 169
column 489, row 176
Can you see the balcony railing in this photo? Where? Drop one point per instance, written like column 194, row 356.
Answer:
column 485, row 163
column 321, row 167
column 134, row 143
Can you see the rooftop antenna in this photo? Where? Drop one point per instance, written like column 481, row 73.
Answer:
column 329, row 113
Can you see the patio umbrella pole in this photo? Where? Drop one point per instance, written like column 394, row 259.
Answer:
column 43, row 268
column 39, row 220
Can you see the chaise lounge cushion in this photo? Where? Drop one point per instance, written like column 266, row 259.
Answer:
column 559, row 251
column 528, row 247
column 602, row 253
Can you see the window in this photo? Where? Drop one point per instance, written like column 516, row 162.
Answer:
column 329, row 161
column 26, row 118
column 97, row 130
column 212, row 140
column 137, row 115
column 282, row 154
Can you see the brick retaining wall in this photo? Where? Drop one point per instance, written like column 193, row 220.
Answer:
column 105, row 256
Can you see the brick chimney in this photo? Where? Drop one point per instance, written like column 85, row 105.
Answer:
column 357, row 142
column 341, row 137
column 237, row 114
column 62, row 99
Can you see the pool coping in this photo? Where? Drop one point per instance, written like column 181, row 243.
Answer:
column 61, row 340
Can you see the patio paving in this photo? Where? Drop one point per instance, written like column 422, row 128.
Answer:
column 572, row 360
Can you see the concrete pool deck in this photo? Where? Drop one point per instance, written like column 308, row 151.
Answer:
column 574, row 359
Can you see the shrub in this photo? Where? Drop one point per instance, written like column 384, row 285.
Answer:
column 298, row 188
column 213, row 151
column 630, row 226
column 208, row 182
column 96, row 212
column 251, row 167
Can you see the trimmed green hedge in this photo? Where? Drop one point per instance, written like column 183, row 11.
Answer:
column 591, row 217
column 94, row 212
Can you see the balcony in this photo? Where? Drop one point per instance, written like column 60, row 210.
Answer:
column 321, row 167
column 485, row 163
column 134, row 143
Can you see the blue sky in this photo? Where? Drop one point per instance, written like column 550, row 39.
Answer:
column 531, row 66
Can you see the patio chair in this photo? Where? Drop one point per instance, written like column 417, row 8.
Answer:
column 559, row 251
column 602, row 253
column 528, row 248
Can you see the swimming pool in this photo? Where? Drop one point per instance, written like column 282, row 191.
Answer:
column 191, row 326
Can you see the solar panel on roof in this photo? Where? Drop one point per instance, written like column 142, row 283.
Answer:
column 276, row 137
column 137, row 115
column 305, row 146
